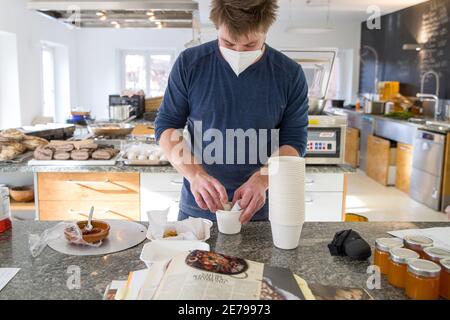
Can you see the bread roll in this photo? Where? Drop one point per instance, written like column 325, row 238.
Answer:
column 12, row 134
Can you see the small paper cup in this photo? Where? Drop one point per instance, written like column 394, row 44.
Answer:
column 286, row 237
column 228, row 221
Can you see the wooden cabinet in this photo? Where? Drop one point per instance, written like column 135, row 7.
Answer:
column 404, row 166
column 352, row 147
column 68, row 196
column 380, row 159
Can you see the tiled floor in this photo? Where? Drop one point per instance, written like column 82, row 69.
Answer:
column 380, row 203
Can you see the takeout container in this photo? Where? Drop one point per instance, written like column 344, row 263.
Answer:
column 228, row 221
column 94, row 237
column 161, row 251
column 206, row 230
column 22, row 194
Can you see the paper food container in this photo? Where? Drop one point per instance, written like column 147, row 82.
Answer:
column 206, row 232
column 161, row 250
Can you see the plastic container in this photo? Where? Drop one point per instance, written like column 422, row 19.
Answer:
column 418, row 244
column 445, row 279
column 398, row 264
column 382, row 249
column 228, row 221
column 161, row 250
column 422, row 280
column 286, row 237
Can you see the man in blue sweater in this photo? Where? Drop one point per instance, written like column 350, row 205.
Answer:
column 241, row 102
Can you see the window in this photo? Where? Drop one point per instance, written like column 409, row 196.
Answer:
column 146, row 70
column 48, row 82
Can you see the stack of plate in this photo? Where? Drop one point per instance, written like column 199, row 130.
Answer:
column 286, row 200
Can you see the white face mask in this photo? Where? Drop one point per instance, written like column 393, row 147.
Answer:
column 240, row 60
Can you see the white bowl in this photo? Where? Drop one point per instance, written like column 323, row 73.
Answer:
column 228, row 221
column 206, row 224
column 160, row 250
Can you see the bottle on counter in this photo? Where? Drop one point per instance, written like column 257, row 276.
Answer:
column 5, row 208
column 398, row 264
column 422, row 280
column 445, row 279
column 382, row 249
column 418, row 244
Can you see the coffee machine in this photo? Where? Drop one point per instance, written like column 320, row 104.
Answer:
column 135, row 103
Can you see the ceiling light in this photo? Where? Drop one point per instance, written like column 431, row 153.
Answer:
column 150, row 13
column 103, row 18
column 99, row 13
column 114, row 22
column 152, row 18
column 117, row 26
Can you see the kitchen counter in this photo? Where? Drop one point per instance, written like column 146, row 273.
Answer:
column 119, row 167
column 45, row 276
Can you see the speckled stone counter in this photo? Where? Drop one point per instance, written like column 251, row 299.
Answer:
column 119, row 167
column 45, row 276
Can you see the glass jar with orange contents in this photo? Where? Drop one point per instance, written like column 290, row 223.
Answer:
column 417, row 243
column 422, row 280
column 382, row 248
column 445, row 279
column 398, row 264
column 436, row 254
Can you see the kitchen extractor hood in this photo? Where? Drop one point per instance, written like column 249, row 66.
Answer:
column 119, row 13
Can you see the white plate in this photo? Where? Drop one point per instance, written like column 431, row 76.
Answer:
column 122, row 235
column 161, row 250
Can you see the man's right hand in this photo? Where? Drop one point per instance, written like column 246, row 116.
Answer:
column 208, row 192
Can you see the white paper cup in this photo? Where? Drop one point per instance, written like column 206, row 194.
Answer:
column 228, row 221
column 286, row 237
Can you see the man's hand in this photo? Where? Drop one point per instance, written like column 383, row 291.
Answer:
column 208, row 192
column 252, row 196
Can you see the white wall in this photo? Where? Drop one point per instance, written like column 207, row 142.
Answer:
column 98, row 53
column 30, row 29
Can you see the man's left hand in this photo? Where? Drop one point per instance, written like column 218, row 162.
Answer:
column 252, row 196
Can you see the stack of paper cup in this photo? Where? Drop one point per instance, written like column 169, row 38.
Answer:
column 286, row 200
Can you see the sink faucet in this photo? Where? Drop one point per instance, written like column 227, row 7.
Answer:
column 436, row 102
column 434, row 97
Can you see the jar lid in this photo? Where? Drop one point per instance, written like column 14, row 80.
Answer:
column 437, row 253
column 403, row 255
column 424, row 268
column 386, row 244
column 420, row 241
column 445, row 264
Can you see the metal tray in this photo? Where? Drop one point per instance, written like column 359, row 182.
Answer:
column 90, row 162
column 19, row 159
column 143, row 162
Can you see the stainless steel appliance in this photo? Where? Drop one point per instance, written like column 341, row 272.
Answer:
column 326, row 140
column 367, row 129
column 428, row 160
column 136, row 107
column 317, row 66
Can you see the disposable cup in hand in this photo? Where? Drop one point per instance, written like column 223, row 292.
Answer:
column 228, row 221
column 286, row 237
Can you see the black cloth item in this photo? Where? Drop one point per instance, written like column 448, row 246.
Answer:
column 349, row 243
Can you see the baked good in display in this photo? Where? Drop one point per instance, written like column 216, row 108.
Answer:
column 43, row 153
column 79, row 155
column 11, row 150
column 33, row 142
column 61, row 156
column 12, row 134
column 216, row 262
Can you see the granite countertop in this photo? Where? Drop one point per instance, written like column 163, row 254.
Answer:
column 45, row 277
column 119, row 167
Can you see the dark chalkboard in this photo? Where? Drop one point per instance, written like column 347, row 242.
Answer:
column 427, row 25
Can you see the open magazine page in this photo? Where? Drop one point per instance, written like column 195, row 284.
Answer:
column 184, row 282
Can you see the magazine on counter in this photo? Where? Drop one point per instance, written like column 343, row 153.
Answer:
column 203, row 275
column 322, row 292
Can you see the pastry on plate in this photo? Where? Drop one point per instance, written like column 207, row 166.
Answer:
column 33, row 142
column 43, row 153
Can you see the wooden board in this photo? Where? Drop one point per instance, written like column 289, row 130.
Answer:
column 352, row 147
column 79, row 210
column 378, row 159
column 113, row 187
column 404, row 166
